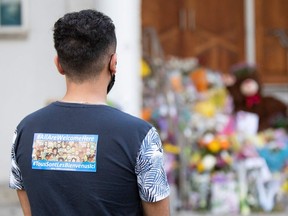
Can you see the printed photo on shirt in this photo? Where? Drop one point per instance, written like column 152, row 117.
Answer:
column 66, row 152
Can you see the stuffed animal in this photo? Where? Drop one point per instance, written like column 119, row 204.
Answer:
column 245, row 88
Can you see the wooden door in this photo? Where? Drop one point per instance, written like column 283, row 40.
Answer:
column 211, row 30
column 163, row 17
column 272, row 40
column 215, row 33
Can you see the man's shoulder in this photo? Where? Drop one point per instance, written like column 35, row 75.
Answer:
column 35, row 115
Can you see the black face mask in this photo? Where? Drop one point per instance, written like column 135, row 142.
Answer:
column 111, row 83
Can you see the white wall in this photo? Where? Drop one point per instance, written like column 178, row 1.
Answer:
column 127, row 89
column 28, row 75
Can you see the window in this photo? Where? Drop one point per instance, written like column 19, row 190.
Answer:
column 12, row 17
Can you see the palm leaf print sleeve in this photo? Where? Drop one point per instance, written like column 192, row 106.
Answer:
column 15, row 179
column 151, row 175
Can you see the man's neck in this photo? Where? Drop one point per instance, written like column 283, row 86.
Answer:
column 86, row 92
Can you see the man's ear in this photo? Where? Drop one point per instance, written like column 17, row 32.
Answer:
column 58, row 65
column 113, row 63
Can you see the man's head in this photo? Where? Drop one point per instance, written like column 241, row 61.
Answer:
column 85, row 42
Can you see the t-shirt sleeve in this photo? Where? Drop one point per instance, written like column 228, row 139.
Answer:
column 151, row 175
column 15, row 179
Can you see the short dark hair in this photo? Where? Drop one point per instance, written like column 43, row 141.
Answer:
column 83, row 41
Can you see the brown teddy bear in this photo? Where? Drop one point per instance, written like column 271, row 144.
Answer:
column 245, row 88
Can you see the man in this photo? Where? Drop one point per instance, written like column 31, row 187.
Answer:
column 126, row 176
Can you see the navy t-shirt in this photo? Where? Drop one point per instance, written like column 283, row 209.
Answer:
column 80, row 159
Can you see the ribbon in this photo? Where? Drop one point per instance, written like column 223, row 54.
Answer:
column 252, row 100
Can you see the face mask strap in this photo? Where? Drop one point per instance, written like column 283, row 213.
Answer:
column 111, row 83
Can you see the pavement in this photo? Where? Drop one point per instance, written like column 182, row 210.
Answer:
column 9, row 206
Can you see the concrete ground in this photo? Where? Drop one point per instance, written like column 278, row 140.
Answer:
column 9, row 206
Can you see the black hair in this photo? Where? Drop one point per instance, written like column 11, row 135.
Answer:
column 85, row 42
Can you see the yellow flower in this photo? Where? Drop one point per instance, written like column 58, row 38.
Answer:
column 214, row 146
column 200, row 167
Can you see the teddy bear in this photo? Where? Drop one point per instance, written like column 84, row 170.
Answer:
column 245, row 88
